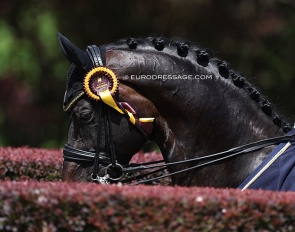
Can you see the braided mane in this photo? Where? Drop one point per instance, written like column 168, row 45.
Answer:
column 204, row 57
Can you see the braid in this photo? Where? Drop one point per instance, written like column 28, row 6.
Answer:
column 204, row 57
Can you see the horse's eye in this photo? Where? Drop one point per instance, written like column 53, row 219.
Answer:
column 85, row 115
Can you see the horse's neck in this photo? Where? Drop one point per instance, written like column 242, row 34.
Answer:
column 197, row 118
column 214, row 111
column 212, row 120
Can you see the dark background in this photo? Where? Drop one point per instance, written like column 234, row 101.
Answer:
column 255, row 37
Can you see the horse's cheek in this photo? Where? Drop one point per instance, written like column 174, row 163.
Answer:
column 68, row 171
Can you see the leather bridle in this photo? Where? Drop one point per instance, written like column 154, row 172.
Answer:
column 105, row 153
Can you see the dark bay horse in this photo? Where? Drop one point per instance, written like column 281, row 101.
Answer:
column 196, row 105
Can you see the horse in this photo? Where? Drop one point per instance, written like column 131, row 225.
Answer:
column 172, row 92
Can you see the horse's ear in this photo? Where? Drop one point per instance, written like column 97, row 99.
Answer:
column 72, row 52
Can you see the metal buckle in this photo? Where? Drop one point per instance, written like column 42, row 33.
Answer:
column 101, row 179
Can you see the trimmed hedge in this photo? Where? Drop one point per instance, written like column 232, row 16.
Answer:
column 56, row 206
column 30, row 164
column 41, row 164
column 31, row 205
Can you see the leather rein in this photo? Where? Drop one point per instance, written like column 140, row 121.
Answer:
column 71, row 153
column 105, row 152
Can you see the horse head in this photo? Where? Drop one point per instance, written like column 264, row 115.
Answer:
column 86, row 131
column 169, row 91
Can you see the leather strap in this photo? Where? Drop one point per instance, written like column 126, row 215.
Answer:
column 73, row 154
column 94, row 54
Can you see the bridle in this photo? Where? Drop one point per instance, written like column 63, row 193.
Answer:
column 100, row 84
column 105, row 152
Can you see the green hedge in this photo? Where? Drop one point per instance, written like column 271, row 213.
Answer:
column 57, row 206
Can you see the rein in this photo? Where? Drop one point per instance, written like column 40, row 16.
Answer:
column 71, row 153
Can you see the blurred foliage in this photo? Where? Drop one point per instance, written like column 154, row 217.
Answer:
column 256, row 37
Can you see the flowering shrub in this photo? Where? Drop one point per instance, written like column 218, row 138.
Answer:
column 32, row 205
column 55, row 206
column 41, row 164
column 30, row 164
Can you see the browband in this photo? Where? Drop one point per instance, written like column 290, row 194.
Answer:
column 94, row 54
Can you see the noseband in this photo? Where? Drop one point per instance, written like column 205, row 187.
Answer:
column 101, row 84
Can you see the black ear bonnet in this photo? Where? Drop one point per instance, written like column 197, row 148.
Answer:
column 81, row 64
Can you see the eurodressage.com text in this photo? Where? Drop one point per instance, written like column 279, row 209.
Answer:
column 171, row 77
